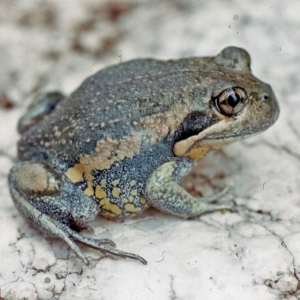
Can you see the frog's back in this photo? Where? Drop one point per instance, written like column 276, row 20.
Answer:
column 119, row 103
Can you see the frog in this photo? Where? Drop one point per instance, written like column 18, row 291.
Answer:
column 125, row 138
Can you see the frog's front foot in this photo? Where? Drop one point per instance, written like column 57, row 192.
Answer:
column 41, row 105
column 58, row 207
column 164, row 193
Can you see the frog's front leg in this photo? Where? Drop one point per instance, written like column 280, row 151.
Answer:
column 41, row 105
column 58, row 207
column 164, row 193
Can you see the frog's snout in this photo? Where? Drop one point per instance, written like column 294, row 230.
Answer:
column 269, row 107
column 270, row 96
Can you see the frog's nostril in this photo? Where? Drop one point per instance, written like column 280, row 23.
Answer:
column 264, row 97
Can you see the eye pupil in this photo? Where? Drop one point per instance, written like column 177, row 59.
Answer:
column 233, row 100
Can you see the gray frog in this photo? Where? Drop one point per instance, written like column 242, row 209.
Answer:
column 123, row 140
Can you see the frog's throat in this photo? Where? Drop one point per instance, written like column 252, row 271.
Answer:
column 197, row 146
column 183, row 148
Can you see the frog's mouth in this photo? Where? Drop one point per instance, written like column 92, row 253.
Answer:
column 215, row 137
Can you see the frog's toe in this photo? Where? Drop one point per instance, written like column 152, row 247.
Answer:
column 224, row 195
column 106, row 241
column 100, row 244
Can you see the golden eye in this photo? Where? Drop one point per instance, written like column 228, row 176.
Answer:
column 231, row 101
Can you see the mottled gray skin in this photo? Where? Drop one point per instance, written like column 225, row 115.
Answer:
column 124, row 139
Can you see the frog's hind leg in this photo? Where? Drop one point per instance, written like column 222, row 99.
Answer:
column 164, row 193
column 56, row 206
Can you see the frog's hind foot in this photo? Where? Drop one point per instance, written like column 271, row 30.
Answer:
column 50, row 201
column 100, row 244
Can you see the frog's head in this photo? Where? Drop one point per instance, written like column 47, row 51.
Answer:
column 237, row 106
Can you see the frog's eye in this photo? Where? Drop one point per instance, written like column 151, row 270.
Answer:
column 231, row 101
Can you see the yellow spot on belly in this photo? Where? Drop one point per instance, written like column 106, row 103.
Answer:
column 132, row 183
column 116, row 182
column 143, row 200
column 125, row 200
column 116, row 192
column 100, row 193
column 130, row 215
column 130, row 198
column 110, row 208
column 103, row 183
column 75, row 174
column 133, row 192
column 131, row 208
column 89, row 191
